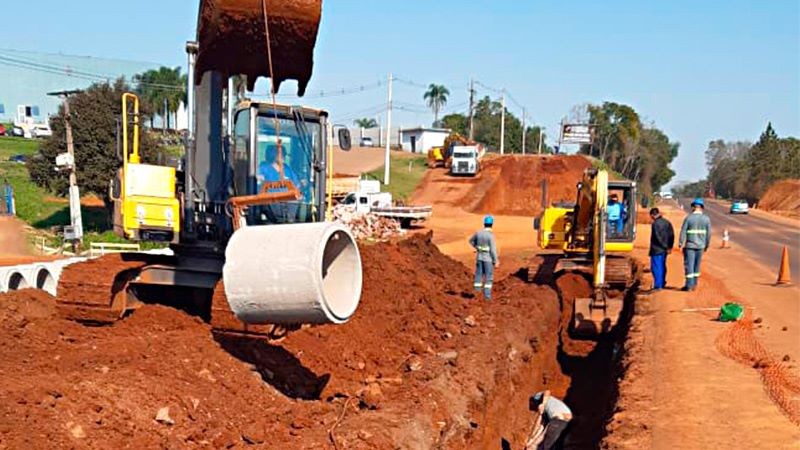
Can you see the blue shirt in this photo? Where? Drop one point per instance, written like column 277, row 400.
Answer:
column 614, row 211
column 268, row 172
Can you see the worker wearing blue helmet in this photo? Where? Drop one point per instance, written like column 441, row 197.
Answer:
column 486, row 259
column 694, row 241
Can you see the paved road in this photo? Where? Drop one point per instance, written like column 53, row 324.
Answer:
column 761, row 237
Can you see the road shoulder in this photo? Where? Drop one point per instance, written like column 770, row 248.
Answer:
column 679, row 390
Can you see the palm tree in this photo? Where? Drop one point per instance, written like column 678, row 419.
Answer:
column 366, row 122
column 160, row 88
column 436, row 97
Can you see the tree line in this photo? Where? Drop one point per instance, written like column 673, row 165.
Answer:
column 636, row 150
column 744, row 170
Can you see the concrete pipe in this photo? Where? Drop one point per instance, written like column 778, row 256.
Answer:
column 45, row 280
column 16, row 281
column 290, row 274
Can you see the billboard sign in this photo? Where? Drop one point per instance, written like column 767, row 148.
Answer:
column 577, row 133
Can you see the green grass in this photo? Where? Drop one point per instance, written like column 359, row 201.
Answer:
column 405, row 174
column 10, row 146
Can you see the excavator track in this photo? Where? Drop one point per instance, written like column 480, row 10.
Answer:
column 95, row 290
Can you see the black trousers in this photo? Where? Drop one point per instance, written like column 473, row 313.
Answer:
column 553, row 436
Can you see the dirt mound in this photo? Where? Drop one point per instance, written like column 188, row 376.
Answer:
column 507, row 185
column 782, row 197
column 12, row 237
column 421, row 364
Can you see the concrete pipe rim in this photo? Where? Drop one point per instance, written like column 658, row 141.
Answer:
column 16, row 281
column 47, row 282
column 341, row 278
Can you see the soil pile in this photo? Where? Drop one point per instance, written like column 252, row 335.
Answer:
column 782, row 197
column 506, row 185
column 421, row 364
column 516, row 187
column 13, row 245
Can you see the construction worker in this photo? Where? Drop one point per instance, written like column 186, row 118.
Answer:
column 662, row 239
column 486, row 259
column 616, row 215
column 694, row 240
column 554, row 417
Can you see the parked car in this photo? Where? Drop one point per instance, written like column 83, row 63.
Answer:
column 2, row 130
column 18, row 159
column 17, row 131
column 366, row 142
column 740, row 207
column 41, row 131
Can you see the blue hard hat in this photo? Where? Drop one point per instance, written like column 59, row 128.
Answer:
column 699, row 202
column 488, row 221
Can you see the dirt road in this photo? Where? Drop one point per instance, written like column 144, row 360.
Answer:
column 695, row 383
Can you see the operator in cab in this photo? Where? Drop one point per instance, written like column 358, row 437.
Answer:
column 486, row 259
column 269, row 170
column 616, row 215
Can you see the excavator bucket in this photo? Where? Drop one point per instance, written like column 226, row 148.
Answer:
column 232, row 39
column 592, row 319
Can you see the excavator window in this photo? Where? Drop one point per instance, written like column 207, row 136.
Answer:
column 621, row 214
column 299, row 142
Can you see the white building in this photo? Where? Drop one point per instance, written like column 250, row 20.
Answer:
column 420, row 140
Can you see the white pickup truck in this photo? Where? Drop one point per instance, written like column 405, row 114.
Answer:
column 370, row 200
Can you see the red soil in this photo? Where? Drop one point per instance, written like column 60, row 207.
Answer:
column 782, row 197
column 422, row 364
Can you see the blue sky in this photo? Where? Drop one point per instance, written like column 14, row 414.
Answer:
column 700, row 70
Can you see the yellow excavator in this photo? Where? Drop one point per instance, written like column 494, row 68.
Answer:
column 244, row 213
column 594, row 236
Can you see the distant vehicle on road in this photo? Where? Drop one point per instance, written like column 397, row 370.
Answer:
column 17, row 131
column 41, row 131
column 666, row 195
column 18, row 159
column 740, row 207
column 366, row 142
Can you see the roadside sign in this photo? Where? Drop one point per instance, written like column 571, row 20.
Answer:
column 577, row 133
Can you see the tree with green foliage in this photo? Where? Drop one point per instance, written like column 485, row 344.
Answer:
column 639, row 152
column 742, row 170
column 366, row 122
column 436, row 97
column 487, row 118
column 95, row 114
column 160, row 87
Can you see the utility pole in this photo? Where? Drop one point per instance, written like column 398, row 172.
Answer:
column 541, row 136
column 471, row 109
column 387, row 158
column 76, row 220
column 503, row 123
column 523, row 131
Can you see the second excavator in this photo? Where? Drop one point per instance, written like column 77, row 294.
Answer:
column 245, row 212
column 594, row 237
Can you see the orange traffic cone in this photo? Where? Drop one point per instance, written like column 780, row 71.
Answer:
column 783, row 273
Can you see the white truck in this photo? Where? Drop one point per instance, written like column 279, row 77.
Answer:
column 369, row 199
column 465, row 160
